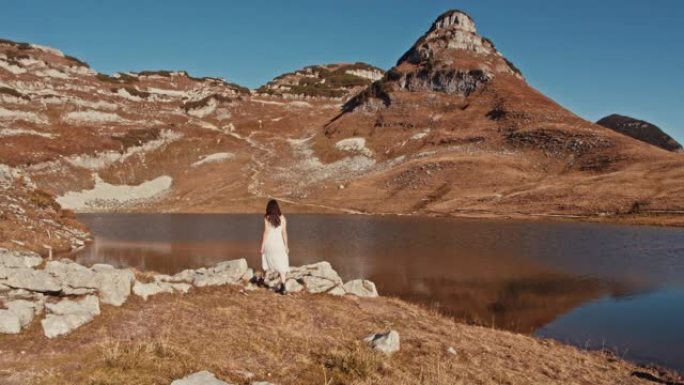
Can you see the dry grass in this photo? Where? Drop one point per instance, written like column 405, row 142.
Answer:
column 297, row 339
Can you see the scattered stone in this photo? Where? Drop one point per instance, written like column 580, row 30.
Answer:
column 9, row 322
column 146, row 290
column 24, row 310
column 19, row 259
column 451, row 350
column 292, row 286
column 337, row 290
column 317, row 284
column 261, row 383
column 200, row 378
column 361, row 288
column 384, row 342
column 224, row 273
column 113, row 285
column 32, row 280
column 67, row 315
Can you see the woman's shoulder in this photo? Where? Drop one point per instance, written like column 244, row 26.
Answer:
column 282, row 218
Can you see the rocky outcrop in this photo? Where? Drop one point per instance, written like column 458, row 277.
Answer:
column 66, row 315
column 26, row 289
column 640, row 130
column 329, row 81
column 200, row 378
column 387, row 342
column 361, row 288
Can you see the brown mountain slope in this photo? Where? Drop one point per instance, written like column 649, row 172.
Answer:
column 640, row 130
column 466, row 134
column 452, row 129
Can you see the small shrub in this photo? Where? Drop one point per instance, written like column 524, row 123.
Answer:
column 357, row 362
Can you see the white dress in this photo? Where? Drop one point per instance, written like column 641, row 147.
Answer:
column 275, row 256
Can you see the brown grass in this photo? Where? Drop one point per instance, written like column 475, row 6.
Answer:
column 296, row 339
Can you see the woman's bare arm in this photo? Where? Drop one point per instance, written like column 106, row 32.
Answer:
column 263, row 237
column 287, row 248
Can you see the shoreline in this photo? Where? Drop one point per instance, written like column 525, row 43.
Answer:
column 186, row 329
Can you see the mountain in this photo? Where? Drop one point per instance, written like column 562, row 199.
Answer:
column 452, row 129
column 640, row 130
column 335, row 81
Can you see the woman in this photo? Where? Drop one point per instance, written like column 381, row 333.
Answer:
column 274, row 249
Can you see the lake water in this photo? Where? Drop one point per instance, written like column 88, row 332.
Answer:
column 593, row 285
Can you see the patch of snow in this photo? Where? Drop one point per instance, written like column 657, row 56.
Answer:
column 366, row 74
column 104, row 159
column 105, row 194
column 92, row 116
column 420, row 135
column 299, row 104
column 272, row 102
column 27, row 116
column 161, row 91
column 48, row 50
column 14, row 69
column 125, row 94
column 355, row 144
column 96, row 105
column 277, row 119
column 52, row 73
column 204, row 111
column 310, row 165
column 217, row 157
column 223, row 114
column 5, row 132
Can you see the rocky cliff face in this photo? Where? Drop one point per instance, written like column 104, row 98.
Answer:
column 640, row 130
column 334, row 81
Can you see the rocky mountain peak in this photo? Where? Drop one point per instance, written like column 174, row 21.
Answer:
column 453, row 41
column 454, row 19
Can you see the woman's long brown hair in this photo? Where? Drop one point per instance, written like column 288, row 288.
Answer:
column 273, row 213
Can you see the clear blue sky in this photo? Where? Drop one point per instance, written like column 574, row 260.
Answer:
column 592, row 56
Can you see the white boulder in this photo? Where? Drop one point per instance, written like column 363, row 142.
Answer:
column 200, row 378
column 113, row 285
column 16, row 259
column 384, row 342
column 67, row 315
column 9, row 322
column 145, row 290
column 29, row 279
column 361, row 288
column 224, row 273
column 24, row 310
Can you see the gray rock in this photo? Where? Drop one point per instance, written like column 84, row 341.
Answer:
column 90, row 305
column 74, row 278
column 292, row 286
column 337, row 290
column 32, row 280
column 145, row 290
column 9, row 322
column 113, row 285
column 361, row 288
column 384, row 342
column 24, row 310
column 224, row 273
column 181, row 287
column 261, row 383
column 317, row 278
column 317, row 284
column 200, row 378
column 67, row 315
column 19, row 259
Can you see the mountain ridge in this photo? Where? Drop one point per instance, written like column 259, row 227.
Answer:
column 453, row 129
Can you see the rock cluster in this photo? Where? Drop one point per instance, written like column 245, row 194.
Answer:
column 71, row 294
column 321, row 278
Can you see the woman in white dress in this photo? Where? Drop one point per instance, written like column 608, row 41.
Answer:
column 274, row 249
